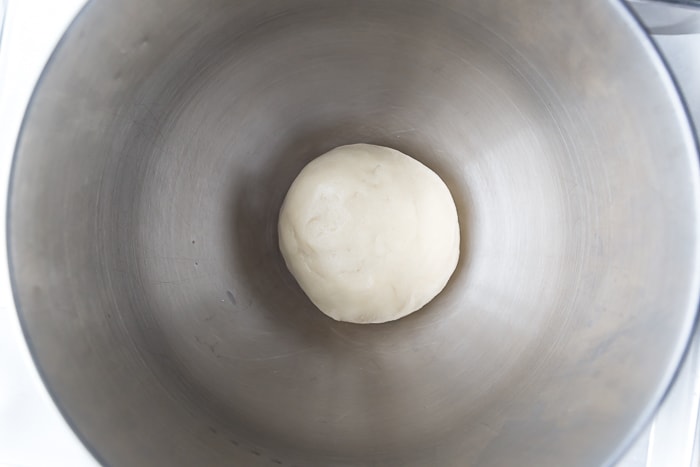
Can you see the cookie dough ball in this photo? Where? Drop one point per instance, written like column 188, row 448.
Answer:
column 369, row 233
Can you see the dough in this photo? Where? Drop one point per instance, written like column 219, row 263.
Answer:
column 369, row 233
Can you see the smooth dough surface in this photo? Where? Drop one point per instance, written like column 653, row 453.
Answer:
column 369, row 233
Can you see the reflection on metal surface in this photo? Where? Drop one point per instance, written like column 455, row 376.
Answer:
column 673, row 432
column 664, row 19
column 673, row 441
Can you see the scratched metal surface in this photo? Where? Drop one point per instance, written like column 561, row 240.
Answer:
column 155, row 156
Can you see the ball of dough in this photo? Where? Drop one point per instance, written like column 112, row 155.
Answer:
column 369, row 233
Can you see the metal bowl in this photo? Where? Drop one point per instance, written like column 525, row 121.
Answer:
column 154, row 158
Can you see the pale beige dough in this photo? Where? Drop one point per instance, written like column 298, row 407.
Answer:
column 369, row 233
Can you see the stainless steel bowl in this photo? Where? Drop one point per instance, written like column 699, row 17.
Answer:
column 157, row 150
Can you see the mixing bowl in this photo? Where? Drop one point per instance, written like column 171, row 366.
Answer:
column 157, row 150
